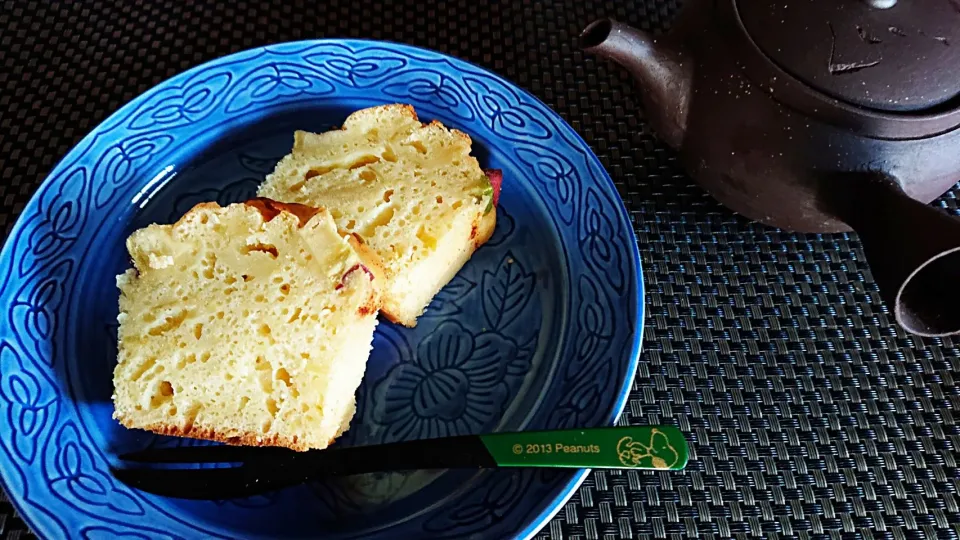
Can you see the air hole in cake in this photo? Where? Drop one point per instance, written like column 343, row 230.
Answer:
column 389, row 155
column 172, row 411
column 243, row 401
column 166, row 389
column 381, row 219
column 418, row 146
column 284, row 376
column 247, row 278
column 186, row 360
column 387, row 194
column 259, row 247
column 260, row 299
column 204, row 357
column 146, row 365
column 190, row 417
column 439, row 199
column 265, row 427
column 198, row 330
column 457, row 204
column 367, row 175
column 351, row 224
column 272, row 407
column 171, row 322
column 296, row 315
column 428, row 240
column 285, row 289
column 297, row 186
column 363, row 161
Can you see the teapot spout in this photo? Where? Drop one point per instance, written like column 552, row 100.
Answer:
column 660, row 67
column 913, row 250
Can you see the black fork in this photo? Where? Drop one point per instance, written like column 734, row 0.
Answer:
column 258, row 470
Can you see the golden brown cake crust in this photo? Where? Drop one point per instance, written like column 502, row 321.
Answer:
column 209, row 434
column 483, row 230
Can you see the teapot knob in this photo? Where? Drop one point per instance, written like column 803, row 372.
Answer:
column 881, row 4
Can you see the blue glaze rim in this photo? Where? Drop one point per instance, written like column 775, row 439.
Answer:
column 637, row 304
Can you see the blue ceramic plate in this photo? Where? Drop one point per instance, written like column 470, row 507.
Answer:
column 540, row 330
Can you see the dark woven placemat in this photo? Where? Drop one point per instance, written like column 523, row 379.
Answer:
column 811, row 414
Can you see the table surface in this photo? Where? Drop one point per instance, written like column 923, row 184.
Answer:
column 810, row 413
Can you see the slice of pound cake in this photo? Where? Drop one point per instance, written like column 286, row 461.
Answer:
column 411, row 191
column 248, row 324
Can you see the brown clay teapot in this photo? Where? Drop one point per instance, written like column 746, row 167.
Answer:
column 819, row 116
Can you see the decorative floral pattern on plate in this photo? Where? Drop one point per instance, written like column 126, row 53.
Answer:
column 455, row 386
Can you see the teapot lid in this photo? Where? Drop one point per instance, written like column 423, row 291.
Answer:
column 890, row 55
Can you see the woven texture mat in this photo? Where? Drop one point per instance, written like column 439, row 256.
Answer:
column 810, row 413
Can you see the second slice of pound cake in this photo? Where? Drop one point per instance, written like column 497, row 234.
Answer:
column 411, row 191
column 248, row 324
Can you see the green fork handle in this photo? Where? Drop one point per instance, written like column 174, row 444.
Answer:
column 633, row 447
